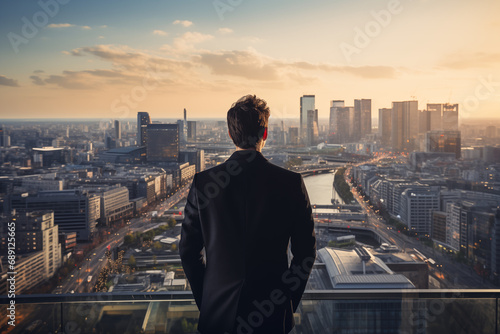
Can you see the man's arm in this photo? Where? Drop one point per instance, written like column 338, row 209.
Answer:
column 303, row 246
column 191, row 245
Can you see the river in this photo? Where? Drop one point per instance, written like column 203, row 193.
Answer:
column 320, row 189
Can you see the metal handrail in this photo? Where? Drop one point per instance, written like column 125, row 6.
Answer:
column 309, row 295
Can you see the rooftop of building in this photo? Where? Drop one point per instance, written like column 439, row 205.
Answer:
column 360, row 270
column 47, row 149
column 125, row 150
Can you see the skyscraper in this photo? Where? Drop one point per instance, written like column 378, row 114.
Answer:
column 312, row 127
column 443, row 116
column 443, row 141
column 424, row 121
column 405, row 123
column 4, row 138
column 293, row 134
column 333, row 126
column 118, row 130
column 307, row 102
column 339, row 122
column 163, row 142
column 143, row 120
column 191, row 131
column 362, row 119
column 384, row 126
column 449, row 120
column 182, row 139
column 184, row 128
column 435, row 114
column 411, row 109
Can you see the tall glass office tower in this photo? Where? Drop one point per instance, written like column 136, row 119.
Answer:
column 307, row 102
column 143, row 120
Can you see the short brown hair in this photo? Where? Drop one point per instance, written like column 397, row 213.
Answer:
column 247, row 120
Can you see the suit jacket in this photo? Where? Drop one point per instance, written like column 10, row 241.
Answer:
column 244, row 212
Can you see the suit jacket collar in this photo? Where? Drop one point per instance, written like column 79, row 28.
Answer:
column 248, row 155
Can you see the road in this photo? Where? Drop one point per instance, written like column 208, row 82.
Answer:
column 449, row 273
column 95, row 261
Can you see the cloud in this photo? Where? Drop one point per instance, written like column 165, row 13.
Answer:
column 38, row 71
column 250, row 64
column 184, row 23
column 160, row 33
column 123, row 57
column 101, row 37
column 183, row 66
column 186, row 42
column 67, row 25
column 60, row 25
column 69, row 80
column 103, row 26
column 245, row 64
column 130, row 67
column 37, row 80
column 465, row 60
column 225, row 31
column 4, row 81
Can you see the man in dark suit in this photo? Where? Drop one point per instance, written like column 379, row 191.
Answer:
column 244, row 212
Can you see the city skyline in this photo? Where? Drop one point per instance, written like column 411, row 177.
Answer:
column 161, row 58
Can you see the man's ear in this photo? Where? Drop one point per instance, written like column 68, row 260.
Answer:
column 264, row 137
column 229, row 134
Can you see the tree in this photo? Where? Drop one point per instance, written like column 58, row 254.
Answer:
column 293, row 162
column 154, row 260
column 157, row 246
column 131, row 261
column 174, row 247
column 171, row 222
column 128, row 239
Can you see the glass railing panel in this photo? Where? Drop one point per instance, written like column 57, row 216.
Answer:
column 433, row 316
column 32, row 318
column 132, row 317
column 467, row 316
column 333, row 312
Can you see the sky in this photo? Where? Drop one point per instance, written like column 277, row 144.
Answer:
column 110, row 59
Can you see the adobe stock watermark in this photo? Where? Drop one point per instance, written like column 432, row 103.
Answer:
column 373, row 28
column 88, row 313
column 40, row 19
column 223, row 6
column 264, row 309
column 426, row 314
column 485, row 89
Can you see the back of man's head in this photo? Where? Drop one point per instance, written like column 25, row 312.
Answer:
column 247, row 121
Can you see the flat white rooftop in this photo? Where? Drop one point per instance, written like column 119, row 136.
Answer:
column 347, row 271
